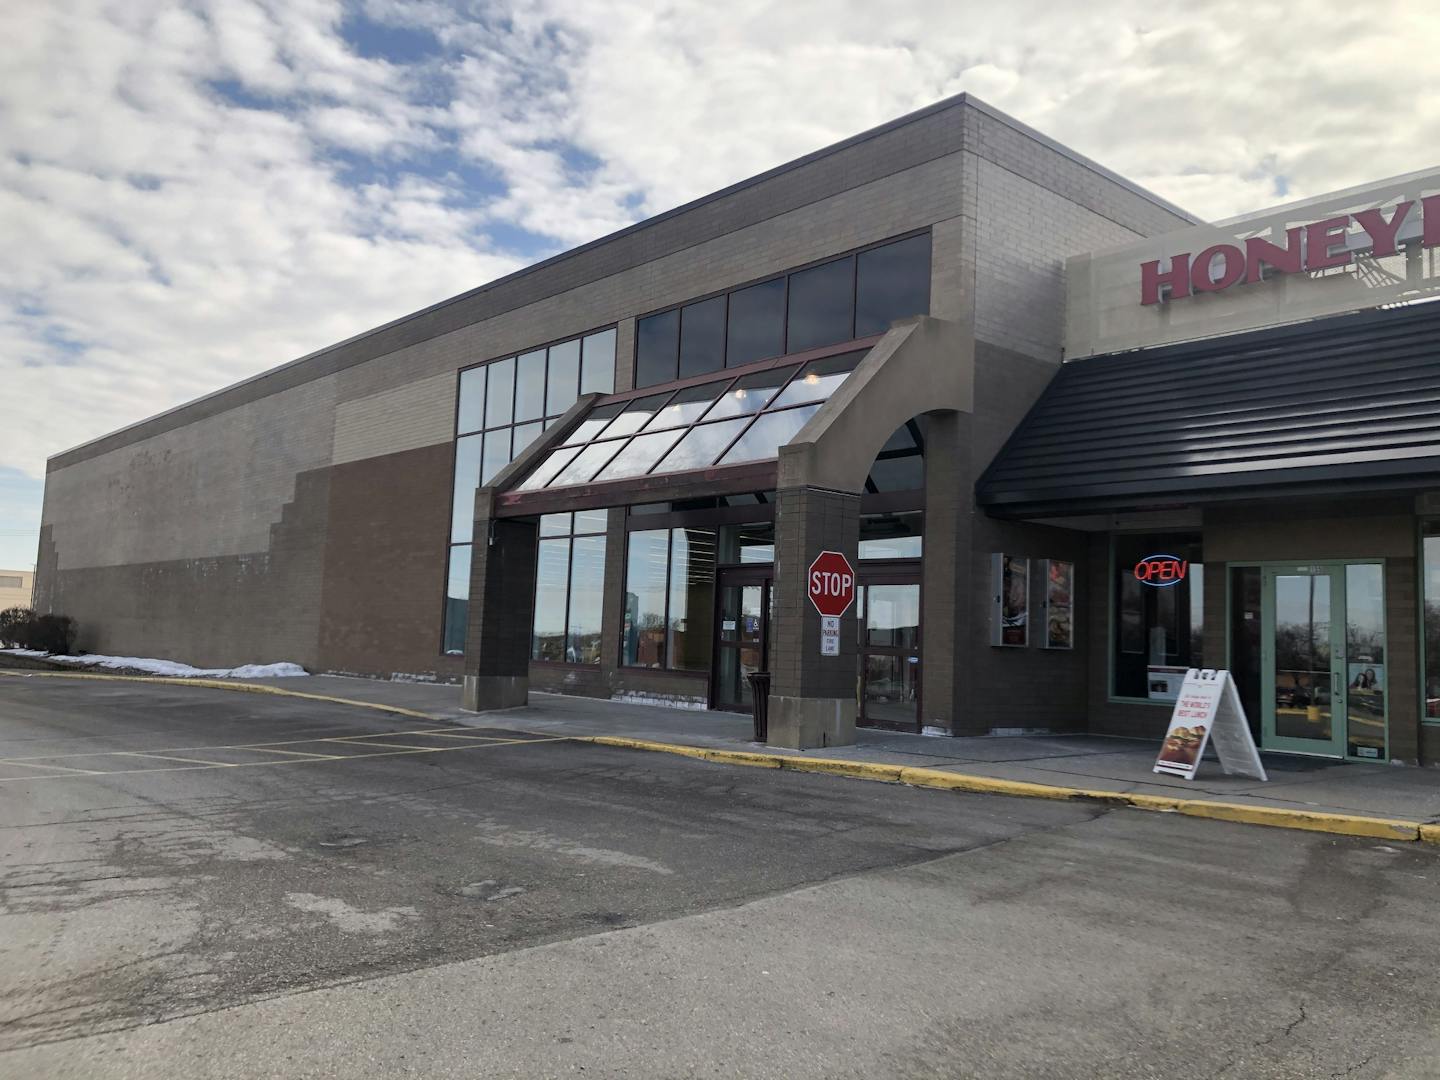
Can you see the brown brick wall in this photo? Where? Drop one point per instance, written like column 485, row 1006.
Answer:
column 384, row 577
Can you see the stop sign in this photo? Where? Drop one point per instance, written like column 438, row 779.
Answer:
column 831, row 583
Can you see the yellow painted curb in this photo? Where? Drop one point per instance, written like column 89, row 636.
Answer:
column 1309, row 820
column 938, row 779
column 860, row 770
column 217, row 684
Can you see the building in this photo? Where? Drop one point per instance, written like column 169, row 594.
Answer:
column 608, row 474
column 16, row 587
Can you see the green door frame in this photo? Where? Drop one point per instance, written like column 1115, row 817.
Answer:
column 1337, row 744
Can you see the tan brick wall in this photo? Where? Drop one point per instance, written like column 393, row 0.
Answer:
column 16, row 588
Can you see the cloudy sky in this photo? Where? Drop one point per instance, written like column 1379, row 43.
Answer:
column 192, row 191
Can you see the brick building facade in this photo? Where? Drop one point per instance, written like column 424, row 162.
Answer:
column 373, row 508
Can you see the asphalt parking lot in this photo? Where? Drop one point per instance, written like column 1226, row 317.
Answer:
column 202, row 883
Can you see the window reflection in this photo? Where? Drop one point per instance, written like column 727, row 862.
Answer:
column 471, row 415
column 457, row 599
column 669, row 599
column 692, row 599
column 597, row 365
column 552, row 574
column 657, row 347
column 562, row 383
column 569, row 589
column 702, row 337
column 467, row 479
column 749, row 394
column 892, row 536
column 821, row 306
column 646, row 567
column 500, row 394
column 530, row 386
column 851, row 296
column 892, row 282
column 756, row 323
column 766, row 435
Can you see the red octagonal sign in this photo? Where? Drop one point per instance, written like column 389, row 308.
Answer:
column 831, row 583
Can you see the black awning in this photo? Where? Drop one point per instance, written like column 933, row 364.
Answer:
column 1339, row 405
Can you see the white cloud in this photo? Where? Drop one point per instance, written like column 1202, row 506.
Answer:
column 195, row 190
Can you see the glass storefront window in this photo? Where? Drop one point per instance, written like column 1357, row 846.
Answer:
column 854, row 295
column 467, row 479
column 822, row 306
column 647, row 561
column 702, row 337
column 1430, row 628
column 892, row 616
column 497, row 416
column 457, row 598
column 1158, row 617
column 552, row 576
column 657, row 348
column 569, row 588
column 587, row 597
column 755, row 328
column 562, row 382
column 892, row 282
column 692, row 599
column 530, row 386
column 900, row 465
column 747, row 543
column 597, row 363
column 892, row 536
column 669, row 599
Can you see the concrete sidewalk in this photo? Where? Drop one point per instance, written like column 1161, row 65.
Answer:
column 1089, row 762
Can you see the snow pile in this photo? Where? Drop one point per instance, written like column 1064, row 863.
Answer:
column 174, row 668
column 25, row 652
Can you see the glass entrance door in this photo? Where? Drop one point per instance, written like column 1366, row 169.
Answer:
column 1323, row 659
column 742, row 636
column 889, row 618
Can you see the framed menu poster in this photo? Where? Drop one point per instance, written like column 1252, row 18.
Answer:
column 1059, row 579
column 1010, row 614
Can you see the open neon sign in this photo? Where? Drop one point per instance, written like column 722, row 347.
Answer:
column 1161, row 571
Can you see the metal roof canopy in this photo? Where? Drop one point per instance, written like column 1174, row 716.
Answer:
column 1338, row 405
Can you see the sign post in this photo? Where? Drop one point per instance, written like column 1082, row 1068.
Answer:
column 1208, row 707
column 830, row 583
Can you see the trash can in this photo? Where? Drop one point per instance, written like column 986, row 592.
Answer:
column 760, row 700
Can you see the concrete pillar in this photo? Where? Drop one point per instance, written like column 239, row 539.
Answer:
column 502, row 601
column 812, row 697
column 947, row 633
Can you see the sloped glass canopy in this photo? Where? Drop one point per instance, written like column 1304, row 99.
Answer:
column 726, row 421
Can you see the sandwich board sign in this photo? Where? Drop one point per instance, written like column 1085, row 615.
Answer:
column 1208, row 708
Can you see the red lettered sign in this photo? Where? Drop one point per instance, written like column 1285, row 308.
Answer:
column 1161, row 570
column 831, row 583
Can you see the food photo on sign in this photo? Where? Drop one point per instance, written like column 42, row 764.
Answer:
column 1011, row 618
column 1182, row 745
column 1059, row 604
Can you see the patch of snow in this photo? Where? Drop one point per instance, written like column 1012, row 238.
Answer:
column 25, row 652
column 184, row 671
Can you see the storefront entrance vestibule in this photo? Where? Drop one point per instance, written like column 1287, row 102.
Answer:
column 888, row 609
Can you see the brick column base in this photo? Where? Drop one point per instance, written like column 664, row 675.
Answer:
column 812, row 697
column 502, row 599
